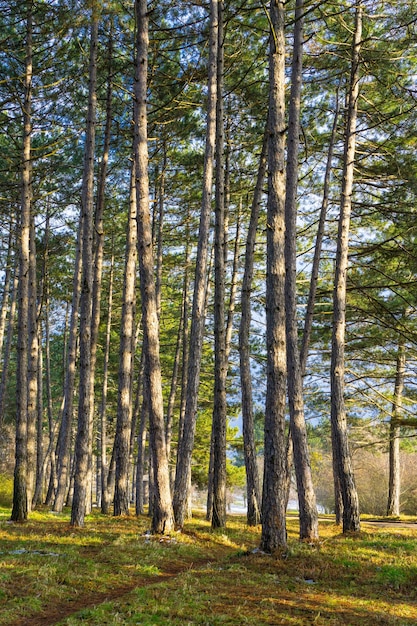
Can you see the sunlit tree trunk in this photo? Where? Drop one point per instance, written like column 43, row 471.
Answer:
column 104, row 470
column 305, row 489
column 65, row 430
column 162, row 519
column 252, row 474
column 33, row 367
column 186, row 442
column 341, row 452
column 85, row 413
column 126, row 352
column 274, row 534
column 394, row 484
column 20, row 499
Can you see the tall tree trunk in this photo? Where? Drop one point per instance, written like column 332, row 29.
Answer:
column 186, row 442
column 140, row 460
column 20, row 499
column 218, row 518
column 85, row 410
column 33, row 366
column 6, row 289
column 274, row 534
column 64, row 436
column 308, row 320
column 248, row 426
column 305, row 489
column 127, row 343
column 394, row 484
column 8, row 344
column 104, row 470
column 40, row 465
column 341, row 452
column 162, row 519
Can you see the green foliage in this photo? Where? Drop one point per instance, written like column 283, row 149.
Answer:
column 6, row 490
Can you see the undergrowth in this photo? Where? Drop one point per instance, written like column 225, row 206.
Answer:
column 114, row 572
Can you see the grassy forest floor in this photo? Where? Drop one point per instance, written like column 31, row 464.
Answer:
column 113, row 572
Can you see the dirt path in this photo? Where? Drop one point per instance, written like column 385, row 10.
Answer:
column 61, row 610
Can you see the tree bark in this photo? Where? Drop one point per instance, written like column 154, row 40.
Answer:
column 341, row 452
column 20, row 496
column 252, row 474
column 104, row 470
column 186, row 442
column 126, row 352
column 65, row 430
column 85, row 410
column 162, row 519
column 394, row 484
column 33, row 367
column 218, row 517
column 305, row 489
column 274, row 534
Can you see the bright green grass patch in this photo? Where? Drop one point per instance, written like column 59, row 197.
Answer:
column 113, row 572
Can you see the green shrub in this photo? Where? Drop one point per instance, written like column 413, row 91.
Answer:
column 6, row 490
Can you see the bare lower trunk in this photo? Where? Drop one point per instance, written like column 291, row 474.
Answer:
column 218, row 517
column 127, row 343
column 342, row 457
column 394, row 484
column 274, row 534
column 104, row 470
column 186, row 442
column 305, row 489
column 20, row 500
column 162, row 519
column 252, row 474
column 85, row 409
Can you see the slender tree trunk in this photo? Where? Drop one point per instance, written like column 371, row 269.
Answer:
column 185, row 339
column 162, row 519
column 218, row 518
column 186, row 442
column 252, row 475
column 85, row 412
column 274, row 534
column 174, row 382
column 308, row 320
column 33, row 366
column 343, row 462
column 127, row 342
column 140, row 461
column 6, row 290
column 20, row 499
column 8, row 344
column 305, row 489
column 104, row 470
column 65, row 430
column 394, row 484
column 37, row 493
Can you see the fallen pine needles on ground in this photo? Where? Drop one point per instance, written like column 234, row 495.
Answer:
column 113, row 572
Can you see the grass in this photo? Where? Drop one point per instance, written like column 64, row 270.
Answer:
column 112, row 572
